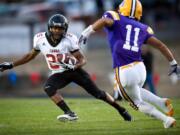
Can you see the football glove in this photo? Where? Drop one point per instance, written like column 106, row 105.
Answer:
column 67, row 66
column 82, row 40
column 175, row 69
column 5, row 66
column 85, row 34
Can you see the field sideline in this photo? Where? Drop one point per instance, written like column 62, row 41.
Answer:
column 38, row 117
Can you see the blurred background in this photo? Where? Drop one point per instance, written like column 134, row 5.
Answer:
column 20, row 20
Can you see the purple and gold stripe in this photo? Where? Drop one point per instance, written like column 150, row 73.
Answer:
column 124, row 94
column 114, row 15
column 133, row 8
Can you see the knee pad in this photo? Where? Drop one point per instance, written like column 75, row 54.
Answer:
column 50, row 90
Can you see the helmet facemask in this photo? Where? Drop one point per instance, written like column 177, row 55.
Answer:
column 57, row 33
column 57, row 27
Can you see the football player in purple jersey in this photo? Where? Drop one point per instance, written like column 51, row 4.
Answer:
column 126, row 35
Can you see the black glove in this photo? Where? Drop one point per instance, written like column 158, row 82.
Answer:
column 175, row 69
column 5, row 66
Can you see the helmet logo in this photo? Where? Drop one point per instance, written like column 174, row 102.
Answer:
column 57, row 24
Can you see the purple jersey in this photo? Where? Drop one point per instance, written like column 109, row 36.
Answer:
column 126, row 36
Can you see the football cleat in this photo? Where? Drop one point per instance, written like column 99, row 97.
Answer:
column 126, row 116
column 170, row 122
column 71, row 116
column 167, row 107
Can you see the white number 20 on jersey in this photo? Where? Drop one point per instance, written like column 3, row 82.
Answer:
column 127, row 45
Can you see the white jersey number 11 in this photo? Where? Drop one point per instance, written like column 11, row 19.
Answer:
column 127, row 45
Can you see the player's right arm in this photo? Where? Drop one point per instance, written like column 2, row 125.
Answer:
column 106, row 21
column 98, row 25
column 101, row 23
column 25, row 59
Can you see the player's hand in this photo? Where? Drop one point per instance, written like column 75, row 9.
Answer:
column 85, row 34
column 175, row 69
column 67, row 66
column 5, row 66
column 82, row 40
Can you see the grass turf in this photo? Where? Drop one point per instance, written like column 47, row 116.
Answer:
column 38, row 117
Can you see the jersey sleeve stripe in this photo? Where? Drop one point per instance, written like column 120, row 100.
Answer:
column 36, row 50
column 74, row 51
column 150, row 31
column 114, row 15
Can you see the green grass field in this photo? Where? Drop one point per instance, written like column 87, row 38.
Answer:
column 38, row 117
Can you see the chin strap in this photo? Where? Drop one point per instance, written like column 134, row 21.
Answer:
column 52, row 41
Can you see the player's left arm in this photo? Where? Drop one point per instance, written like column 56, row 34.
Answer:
column 156, row 43
column 80, row 57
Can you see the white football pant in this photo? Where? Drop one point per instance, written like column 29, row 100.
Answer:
column 130, row 79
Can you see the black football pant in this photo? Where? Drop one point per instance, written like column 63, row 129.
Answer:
column 78, row 76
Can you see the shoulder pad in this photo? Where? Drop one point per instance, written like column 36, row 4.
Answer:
column 113, row 14
column 150, row 30
column 71, row 36
column 39, row 35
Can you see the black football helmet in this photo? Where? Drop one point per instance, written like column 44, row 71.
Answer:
column 57, row 20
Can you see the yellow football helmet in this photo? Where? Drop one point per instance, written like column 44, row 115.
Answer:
column 131, row 8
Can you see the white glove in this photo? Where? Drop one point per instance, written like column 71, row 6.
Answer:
column 85, row 34
column 82, row 40
column 175, row 69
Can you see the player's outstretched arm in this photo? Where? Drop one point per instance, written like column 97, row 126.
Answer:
column 103, row 22
column 28, row 57
column 156, row 43
column 98, row 25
